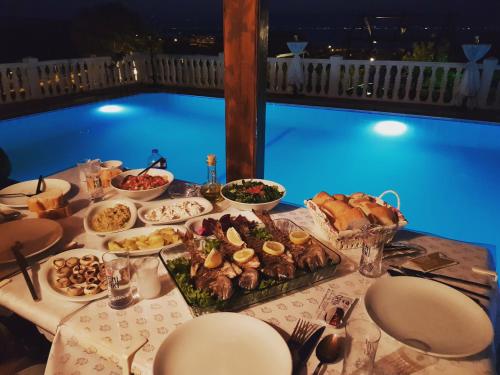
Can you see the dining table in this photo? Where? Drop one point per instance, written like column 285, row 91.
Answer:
column 92, row 338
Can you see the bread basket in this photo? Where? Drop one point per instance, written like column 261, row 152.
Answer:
column 353, row 239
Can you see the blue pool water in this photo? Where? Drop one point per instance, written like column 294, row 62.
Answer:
column 446, row 171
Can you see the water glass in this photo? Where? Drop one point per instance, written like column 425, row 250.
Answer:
column 372, row 252
column 93, row 179
column 148, row 281
column 81, row 166
column 117, row 269
column 361, row 343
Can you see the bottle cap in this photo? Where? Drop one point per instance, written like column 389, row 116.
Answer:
column 211, row 159
column 154, row 150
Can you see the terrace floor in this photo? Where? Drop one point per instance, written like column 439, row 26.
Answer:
column 34, row 106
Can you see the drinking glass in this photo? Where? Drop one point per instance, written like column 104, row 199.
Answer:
column 361, row 342
column 117, row 269
column 93, row 179
column 148, row 281
column 370, row 264
column 82, row 166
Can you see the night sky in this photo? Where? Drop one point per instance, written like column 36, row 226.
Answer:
column 208, row 13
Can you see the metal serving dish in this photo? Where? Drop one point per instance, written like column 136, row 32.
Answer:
column 241, row 298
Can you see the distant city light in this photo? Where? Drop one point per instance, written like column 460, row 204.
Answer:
column 111, row 108
column 374, row 42
column 176, row 40
column 329, row 46
column 390, row 128
column 372, row 58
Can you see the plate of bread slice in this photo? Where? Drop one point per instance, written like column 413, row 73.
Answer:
column 18, row 200
column 75, row 275
column 347, row 219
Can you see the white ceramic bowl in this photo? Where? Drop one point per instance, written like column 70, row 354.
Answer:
column 111, row 164
column 96, row 208
column 142, row 195
column 255, row 206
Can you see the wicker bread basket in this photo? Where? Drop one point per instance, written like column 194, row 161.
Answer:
column 353, row 239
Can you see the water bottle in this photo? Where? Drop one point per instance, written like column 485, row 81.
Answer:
column 155, row 155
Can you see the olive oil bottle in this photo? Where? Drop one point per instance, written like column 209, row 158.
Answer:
column 211, row 189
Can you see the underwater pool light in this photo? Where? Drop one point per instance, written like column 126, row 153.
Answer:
column 111, row 108
column 390, row 128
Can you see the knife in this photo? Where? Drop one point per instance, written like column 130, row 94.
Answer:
column 39, row 185
column 305, row 351
column 21, row 262
column 446, row 277
column 398, row 272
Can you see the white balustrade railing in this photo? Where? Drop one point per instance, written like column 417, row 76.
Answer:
column 394, row 81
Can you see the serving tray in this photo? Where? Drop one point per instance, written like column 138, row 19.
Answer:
column 241, row 298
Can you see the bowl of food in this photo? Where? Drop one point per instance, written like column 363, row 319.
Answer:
column 110, row 217
column 145, row 187
column 253, row 194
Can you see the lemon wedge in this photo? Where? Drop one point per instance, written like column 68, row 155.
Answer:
column 243, row 255
column 214, row 259
column 234, row 237
column 299, row 237
column 273, row 248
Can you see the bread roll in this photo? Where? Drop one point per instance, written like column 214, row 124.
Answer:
column 321, row 197
column 359, row 202
column 352, row 218
column 340, row 197
column 334, row 208
column 379, row 214
column 48, row 200
column 358, row 195
column 56, row 213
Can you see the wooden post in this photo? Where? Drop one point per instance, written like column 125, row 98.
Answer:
column 246, row 26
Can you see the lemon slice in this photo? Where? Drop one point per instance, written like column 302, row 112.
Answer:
column 234, row 237
column 299, row 237
column 243, row 255
column 273, row 248
column 214, row 259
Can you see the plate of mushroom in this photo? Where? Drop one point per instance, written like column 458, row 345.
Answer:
column 75, row 275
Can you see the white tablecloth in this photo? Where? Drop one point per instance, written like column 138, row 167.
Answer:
column 96, row 339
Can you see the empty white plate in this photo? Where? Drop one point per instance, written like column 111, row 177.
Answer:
column 223, row 344
column 428, row 316
column 29, row 187
column 36, row 235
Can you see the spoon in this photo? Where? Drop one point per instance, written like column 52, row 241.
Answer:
column 327, row 351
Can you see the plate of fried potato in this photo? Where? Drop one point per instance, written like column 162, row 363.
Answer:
column 147, row 240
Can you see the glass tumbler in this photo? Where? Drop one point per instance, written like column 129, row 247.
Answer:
column 361, row 343
column 148, row 281
column 370, row 264
column 117, row 269
column 81, row 167
column 93, row 179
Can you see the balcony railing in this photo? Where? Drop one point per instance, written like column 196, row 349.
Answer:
column 390, row 81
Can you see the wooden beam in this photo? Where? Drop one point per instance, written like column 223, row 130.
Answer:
column 246, row 27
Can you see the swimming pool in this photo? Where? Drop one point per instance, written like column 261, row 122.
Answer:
column 446, row 171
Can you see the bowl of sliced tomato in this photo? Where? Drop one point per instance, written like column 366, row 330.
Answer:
column 253, row 194
column 145, row 187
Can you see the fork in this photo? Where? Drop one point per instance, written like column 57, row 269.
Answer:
column 15, row 195
column 301, row 333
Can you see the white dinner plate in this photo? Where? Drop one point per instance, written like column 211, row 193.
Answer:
column 145, row 231
column 223, row 344
column 429, row 317
column 36, row 235
column 29, row 187
column 94, row 209
column 48, row 276
column 205, row 204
